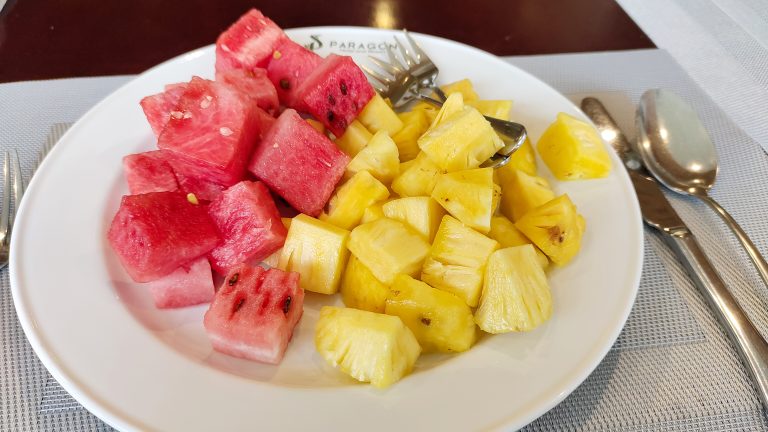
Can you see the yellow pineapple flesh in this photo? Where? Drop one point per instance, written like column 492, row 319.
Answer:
column 440, row 321
column 516, row 295
column 423, row 214
column 354, row 139
column 457, row 260
column 346, row 207
column 317, row 125
column 470, row 196
column 379, row 157
column 417, row 178
column 493, row 108
column 388, row 247
column 556, row 228
column 361, row 290
column 572, row 149
column 461, row 141
column 452, row 106
column 373, row 212
column 317, row 251
column 369, row 347
column 415, row 123
column 429, row 110
column 523, row 159
column 522, row 192
column 504, row 232
column 377, row 115
column 463, row 87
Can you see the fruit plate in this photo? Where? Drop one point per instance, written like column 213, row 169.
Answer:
column 139, row 368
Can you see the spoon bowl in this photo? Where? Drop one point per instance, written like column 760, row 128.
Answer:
column 676, row 149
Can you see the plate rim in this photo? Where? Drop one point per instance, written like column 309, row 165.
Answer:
column 115, row 417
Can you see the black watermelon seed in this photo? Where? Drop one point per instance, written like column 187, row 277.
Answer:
column 330, row 116
column 284, row 84
column 331, row 99
column 287, row 305
column 238, row 305
column 343, row 88
column 233, row 279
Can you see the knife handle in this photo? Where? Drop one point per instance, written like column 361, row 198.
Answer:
column 748, row 341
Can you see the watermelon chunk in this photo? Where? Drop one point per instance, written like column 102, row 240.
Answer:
column 255, row 84
column 299, row 163
column 213, row 128
column 289, row 67
column 250, row 224
column 149, row 172
column 254, row 313
column 153, row 234
column 335, row 93
column 248, row 43
column 157, row 108
column 189, row 285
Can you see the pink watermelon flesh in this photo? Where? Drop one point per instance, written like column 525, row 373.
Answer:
column 189, row 285
column 299, row 163
column 157, row 108
column 149, row 172
column 248, row 43
column 335, row 93
column 213, row 128
column 253, row 83
column 288, row 69
column 249, row 223
column 254, row 313
column 153, row 234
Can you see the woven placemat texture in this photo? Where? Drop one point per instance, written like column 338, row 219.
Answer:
column 672, row 368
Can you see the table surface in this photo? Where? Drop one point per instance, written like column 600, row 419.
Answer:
column 42, row 39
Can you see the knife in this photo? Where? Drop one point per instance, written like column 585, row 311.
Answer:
column 658, row 213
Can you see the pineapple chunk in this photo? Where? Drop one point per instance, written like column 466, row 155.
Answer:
column 522, row 192
column 422, row 214
column 355, row 138
column 273, row 259
column 369, row 347
column 493, row 108
column 463, row 87
column 379, row 157
column 572, row 149
column 317, row 125
column 440, row 321
column 388, row 247
column 516, row 294
column 523, row 159
column 317, row 251
column 361, row 290
column 415, row 123
column 461, row 141
column 377, row 115
column 504, row 232
column 457, row 260
column 429, row 110
column 470, row 196
column 346, row 207
column 373, row 212
column 418, row 178
column 452, row 106
column 556, row 228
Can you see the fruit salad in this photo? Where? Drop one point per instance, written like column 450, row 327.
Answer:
column 289, row 176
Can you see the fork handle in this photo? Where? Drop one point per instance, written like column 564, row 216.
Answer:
column 749, row 343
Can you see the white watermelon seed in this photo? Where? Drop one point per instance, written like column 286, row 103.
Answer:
column 225, row 131
column 187, row 114
column 206, row 102
column 176, row 114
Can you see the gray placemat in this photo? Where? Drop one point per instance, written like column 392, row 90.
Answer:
column 672, row 368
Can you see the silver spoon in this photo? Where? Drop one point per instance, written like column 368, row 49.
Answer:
column 677, row 150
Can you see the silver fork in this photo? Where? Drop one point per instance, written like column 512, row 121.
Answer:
column 13, row 184
column 417, row 73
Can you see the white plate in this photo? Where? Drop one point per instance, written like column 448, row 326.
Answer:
column 139, row 368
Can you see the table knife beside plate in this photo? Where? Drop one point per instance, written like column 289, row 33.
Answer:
column 658, row 213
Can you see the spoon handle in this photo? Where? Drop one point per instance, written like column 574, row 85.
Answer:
column 754, row 254
column 748, row 342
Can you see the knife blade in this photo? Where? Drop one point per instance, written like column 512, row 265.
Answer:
column 659, row 214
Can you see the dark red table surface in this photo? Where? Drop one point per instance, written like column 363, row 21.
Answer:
column 42, row 39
